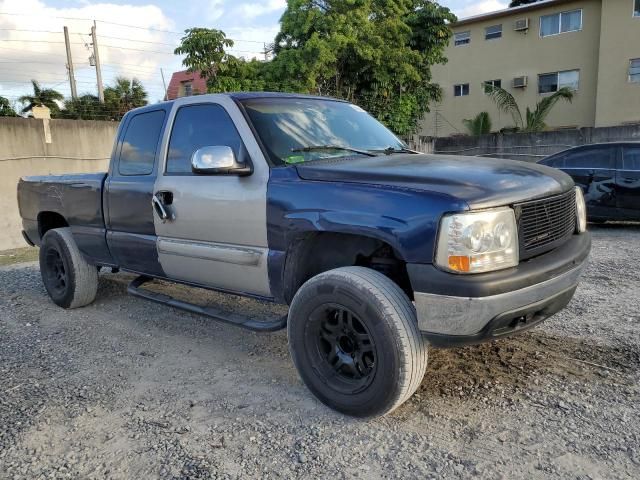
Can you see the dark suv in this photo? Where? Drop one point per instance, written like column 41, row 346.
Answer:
column 609, row 174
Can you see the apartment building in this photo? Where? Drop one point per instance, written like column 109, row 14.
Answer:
column 591, row 46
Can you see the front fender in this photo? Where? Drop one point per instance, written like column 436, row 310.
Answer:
column 406, row 219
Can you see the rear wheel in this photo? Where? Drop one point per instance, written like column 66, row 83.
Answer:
column 69, row 279
column 354, row 339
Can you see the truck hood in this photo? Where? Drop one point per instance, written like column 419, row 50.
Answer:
column 481, row 182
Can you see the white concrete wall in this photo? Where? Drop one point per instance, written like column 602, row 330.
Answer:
column 31, row 147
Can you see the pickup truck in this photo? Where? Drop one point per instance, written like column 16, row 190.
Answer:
column 379, row 251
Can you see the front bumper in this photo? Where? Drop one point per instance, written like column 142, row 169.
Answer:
column 459, row 309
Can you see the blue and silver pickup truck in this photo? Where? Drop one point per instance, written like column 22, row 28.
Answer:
column 379, row 251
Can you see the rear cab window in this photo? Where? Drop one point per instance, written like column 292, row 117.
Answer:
column 140, row 143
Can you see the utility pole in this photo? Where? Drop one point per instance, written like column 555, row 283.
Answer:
column 164, row 85
column 72, row 77
column 96, row 56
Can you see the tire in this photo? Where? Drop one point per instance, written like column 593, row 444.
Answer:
column 69, row 279
column 354, row 339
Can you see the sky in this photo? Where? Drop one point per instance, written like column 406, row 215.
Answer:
column 136, row 38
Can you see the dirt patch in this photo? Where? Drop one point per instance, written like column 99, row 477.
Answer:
column 18, row 255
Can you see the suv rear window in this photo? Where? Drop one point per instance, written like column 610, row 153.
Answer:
column 631, row 158
column 600, row 157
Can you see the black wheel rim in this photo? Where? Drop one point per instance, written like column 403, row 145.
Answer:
column 344, row 348
column 56, row 271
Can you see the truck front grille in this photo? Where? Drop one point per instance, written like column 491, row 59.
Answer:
column 545, row 224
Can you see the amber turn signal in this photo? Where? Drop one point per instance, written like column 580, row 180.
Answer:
column 459, row 263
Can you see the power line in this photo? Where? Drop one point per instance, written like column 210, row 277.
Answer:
column 151, row 29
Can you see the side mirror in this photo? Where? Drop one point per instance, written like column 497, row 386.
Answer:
column 217, row 160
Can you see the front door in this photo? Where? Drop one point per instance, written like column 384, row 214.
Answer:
column 218, row 235
column 628, row 183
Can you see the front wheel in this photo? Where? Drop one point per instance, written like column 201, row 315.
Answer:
column 354, row 338
column 69, row 279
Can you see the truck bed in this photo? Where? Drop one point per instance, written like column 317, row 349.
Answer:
column 76, row 198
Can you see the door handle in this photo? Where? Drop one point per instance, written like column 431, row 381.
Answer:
column 161, row 210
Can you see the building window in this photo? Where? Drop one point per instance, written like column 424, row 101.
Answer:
column 188, row 89
column 462, row 38
column 493, row 32
column 461, row 90
column 634, row 70
column 560, row 23
column 492, row 83
column 636, row 8
column 552, row 82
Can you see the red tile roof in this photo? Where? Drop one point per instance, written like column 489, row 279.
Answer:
column 199, row 84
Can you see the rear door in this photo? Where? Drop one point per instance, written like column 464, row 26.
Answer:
column 593, row 169
column 628, row 182
column 218, row 235
column 131, row 232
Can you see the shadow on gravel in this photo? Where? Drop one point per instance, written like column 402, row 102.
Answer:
column 525, row 360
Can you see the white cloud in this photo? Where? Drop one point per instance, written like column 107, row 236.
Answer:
column 214, row 10
column 477, row 8
column 250, row 11
column 32, row 45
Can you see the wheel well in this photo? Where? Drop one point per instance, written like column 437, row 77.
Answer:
column 49, row 220
column 315, row 253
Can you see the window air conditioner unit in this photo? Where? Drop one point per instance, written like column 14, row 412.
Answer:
column 521, row 25
column 519, row 82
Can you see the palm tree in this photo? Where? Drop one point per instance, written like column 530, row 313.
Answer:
column 85, row 107
column 124, row 95
column 534, row 119
column 42, row 97
column 479, row 125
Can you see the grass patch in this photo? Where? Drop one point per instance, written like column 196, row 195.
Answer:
column 18, row 255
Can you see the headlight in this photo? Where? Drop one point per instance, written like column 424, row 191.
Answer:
column 475, row 242
column 581, row 212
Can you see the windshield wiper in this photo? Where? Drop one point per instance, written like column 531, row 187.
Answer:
column 392, row 150
column 314, row 148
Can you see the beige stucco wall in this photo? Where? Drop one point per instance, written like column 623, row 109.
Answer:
column 75, row 146
column 517, row 54
column 618, row 101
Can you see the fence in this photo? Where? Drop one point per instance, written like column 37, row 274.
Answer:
column 45, row 147
column 523, row 146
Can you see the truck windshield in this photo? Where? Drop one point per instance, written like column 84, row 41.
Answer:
column 296, row 130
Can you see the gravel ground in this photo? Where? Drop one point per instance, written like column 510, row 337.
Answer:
column 129, row 389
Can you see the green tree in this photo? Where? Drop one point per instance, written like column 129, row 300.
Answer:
column 534, row 120
column 517, row 3
column 376, row 53
column 6, row 110
column 85, row 107
column 45, row 97
column 124, row 95
column 204, row 50
column 479, row 125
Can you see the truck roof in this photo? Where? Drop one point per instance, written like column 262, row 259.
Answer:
column 234, row 95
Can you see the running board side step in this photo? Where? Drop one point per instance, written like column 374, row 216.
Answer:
column 272, row 325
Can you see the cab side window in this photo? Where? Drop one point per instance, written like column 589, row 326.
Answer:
column 140, row 143
column 198, row 126
column 631, row 158
column 590, row 158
